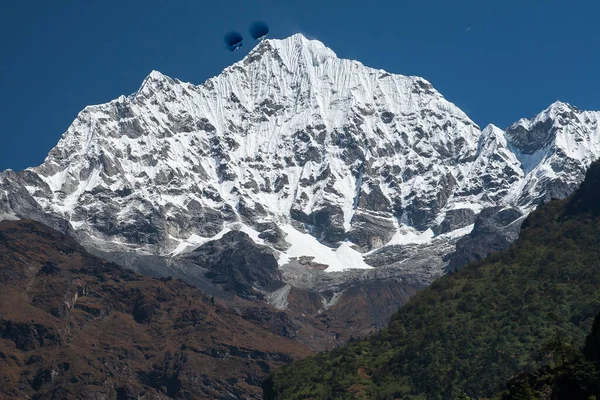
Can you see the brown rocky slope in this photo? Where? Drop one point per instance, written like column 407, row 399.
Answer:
column 75, row 326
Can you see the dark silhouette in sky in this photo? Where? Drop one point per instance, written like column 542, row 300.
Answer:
column 233, row 41
column 259, row 30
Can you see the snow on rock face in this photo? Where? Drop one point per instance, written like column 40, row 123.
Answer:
column 495, row 169
column 294, row 136
column 555, row 148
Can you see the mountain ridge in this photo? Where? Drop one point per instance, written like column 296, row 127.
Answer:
column 333, row 166
column 300, row 58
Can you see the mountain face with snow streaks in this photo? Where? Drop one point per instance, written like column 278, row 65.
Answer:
column 291, row 131
column 554, row 148
column 311, row 155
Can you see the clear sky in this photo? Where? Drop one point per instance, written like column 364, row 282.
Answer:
column 496, row 60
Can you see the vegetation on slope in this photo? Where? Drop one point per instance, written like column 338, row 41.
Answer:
column 469, row 332
column 571, row 375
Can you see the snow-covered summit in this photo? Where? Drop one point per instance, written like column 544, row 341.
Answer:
column 554, row 148
column 297, row 46
column 292, row 135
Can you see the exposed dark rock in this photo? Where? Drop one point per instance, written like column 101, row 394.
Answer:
column 446, row 186
column 43, row 377
column 144, row 309
column 49, row 268
column 421, row 213
column 530, row 140
column 274, row 235
column 591, row 349
column 197, row 219
column 238, row 264
column 456, row 219
column 129, row 392
column 370, row 232
column 269, row 108
column 374, row 200
column 387, row 117
column 495, row 229
column 326, row 224
column 28, row 336
column 280, row 183
column 250, row 212
column 587, row 198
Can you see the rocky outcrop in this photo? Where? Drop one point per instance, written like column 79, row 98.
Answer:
column 495, row 229
column 456, row 219
column 28, row 336
column 326, row 223
column 370, row 231
column 17, row 202
column 238, row 265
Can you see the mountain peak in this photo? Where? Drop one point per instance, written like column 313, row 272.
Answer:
column 550, row 113
column 555, row 109
column 155, row 75
column 492, row 129
column 559, row 105
column 155, row 80
column 298, row 41
column 293, row 52
column 292, row 134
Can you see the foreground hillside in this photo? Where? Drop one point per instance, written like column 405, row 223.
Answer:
column 471, row 331
column 73, row 326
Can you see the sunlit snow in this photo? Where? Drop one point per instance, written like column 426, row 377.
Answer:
column 303, row 244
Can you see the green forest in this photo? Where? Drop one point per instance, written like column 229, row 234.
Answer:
column 523, row 310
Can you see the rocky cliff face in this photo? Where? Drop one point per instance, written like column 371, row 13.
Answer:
column 328, row 163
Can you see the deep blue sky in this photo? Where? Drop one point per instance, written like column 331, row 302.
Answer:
column 497, row 60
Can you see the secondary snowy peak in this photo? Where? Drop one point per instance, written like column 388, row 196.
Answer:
column 530, row 135
column 554, row 148
column 154, row 81
column 292, row 135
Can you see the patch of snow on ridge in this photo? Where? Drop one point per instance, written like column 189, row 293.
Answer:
column 8, row 217
column 194, row 241
column 303, row 244
column 407, row 235
column 457, row 233
column 249, row 231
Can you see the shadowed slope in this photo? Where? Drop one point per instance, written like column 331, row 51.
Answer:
column 75, row 326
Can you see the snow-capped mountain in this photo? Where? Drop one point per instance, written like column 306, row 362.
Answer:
column 555, row 148
column 308, row 153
